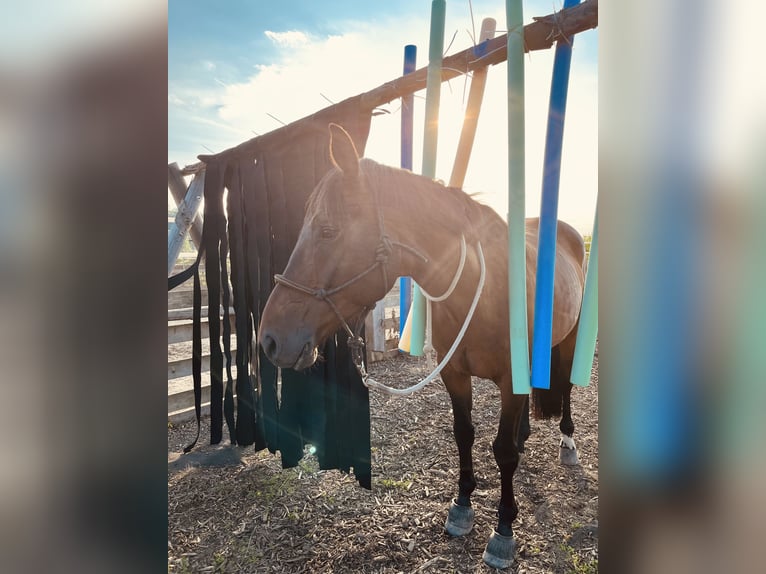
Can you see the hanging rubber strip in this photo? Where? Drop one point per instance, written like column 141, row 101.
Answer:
column 182, row 277
column 228, row 396
column 196, row 353
column 212, row 229
column 173, row 282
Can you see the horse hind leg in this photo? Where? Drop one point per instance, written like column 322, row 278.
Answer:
column 461, row 515
column 524, row 430
column 567, row 449
column 501, row 546
column 555, row 401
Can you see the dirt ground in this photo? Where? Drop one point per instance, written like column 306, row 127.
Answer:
column 256, row 517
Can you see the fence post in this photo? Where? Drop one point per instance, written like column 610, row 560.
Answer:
column 472, row 109
column 187, row 210
column 177, row 187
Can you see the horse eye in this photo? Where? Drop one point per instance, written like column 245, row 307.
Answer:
column 328, row 233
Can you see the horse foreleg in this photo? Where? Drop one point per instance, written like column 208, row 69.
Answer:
column 500, row 548
column 460, row 517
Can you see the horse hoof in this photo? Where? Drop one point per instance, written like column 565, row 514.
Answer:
column 568, row 456
column 459, row 520
column 499, row 550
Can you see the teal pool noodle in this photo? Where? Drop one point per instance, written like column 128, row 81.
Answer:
column 517, row 260
column 587, row 331
column 430, row 136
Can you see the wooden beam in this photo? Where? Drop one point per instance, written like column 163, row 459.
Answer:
column 186, row 313
column 177, row 187
column 539, row 35
column 187, row 210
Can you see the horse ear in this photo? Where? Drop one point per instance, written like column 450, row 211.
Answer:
column 343, row 152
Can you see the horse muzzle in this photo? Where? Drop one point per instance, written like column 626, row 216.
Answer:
column 294, row 352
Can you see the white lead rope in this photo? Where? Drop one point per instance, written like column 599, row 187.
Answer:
column 373, row 384
column 428, row 348
column 455, row 279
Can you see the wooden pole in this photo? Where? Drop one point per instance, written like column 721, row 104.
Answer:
column 178, row 190
column 539, row 35
column 472, row 109
column 186, row 211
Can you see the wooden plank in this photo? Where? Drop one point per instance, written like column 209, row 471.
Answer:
column 179, row 298
column 185, row 399
column 187, row 414
column 376, row 338
column 183, row 367
column 180, row 333
column 186, row 313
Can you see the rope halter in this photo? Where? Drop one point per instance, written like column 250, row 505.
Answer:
column 383, row 252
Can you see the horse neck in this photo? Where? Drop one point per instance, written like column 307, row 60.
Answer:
column 422, row 214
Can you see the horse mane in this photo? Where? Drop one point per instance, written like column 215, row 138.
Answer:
column 399, row 183
column 400, row 186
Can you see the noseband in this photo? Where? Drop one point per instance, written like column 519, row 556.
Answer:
column 382, row 254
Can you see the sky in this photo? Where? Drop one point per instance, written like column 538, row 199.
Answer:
column 237, row 69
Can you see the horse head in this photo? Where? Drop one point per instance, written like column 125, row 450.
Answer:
column 338, row 268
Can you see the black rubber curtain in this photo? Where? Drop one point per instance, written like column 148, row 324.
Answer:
column 269, row 179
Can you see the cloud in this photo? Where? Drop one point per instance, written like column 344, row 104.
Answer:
column 367, row 55
column 288, row 39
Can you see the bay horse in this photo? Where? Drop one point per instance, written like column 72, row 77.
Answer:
column 365, row 225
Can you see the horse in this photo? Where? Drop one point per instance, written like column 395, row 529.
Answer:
column 365, row 225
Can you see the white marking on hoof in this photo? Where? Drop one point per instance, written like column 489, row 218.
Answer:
column 567, row 442
column 568, row 451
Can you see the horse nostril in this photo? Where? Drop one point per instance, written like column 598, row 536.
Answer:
column 270, row 346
